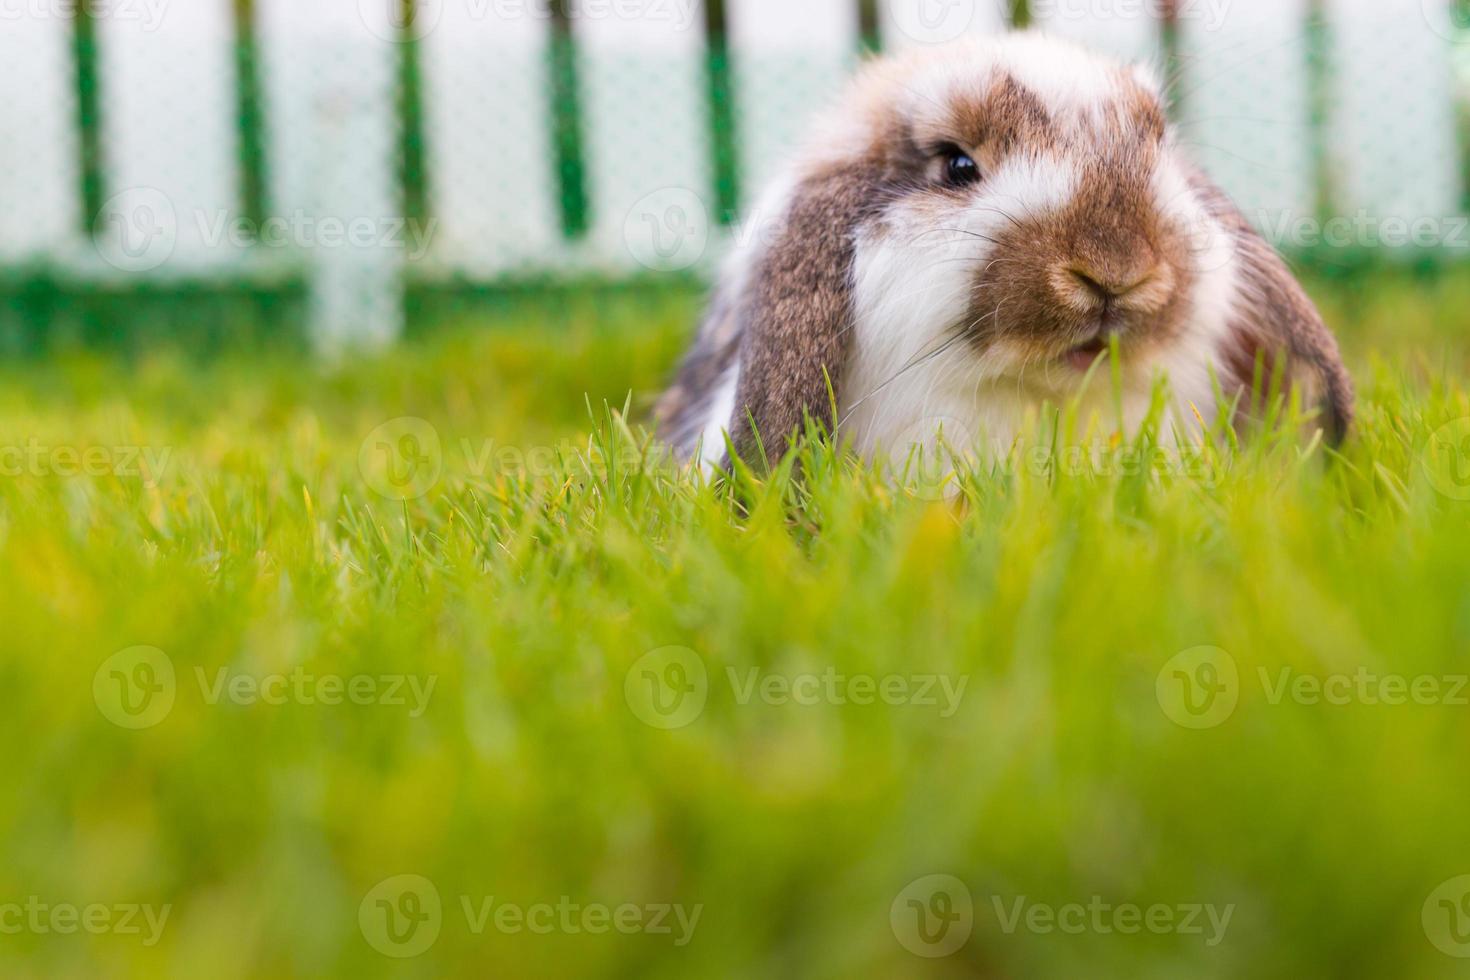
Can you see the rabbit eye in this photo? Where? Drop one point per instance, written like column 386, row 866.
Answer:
column 960, row 169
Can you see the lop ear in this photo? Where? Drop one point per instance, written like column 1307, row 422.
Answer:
column 799, row 312
column 1277, row 321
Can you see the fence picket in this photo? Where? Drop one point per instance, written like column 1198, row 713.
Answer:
column 330, row 81
column 40, row 213
column 789, row 62
column 168, row 123
column 1243, row 103
column 647, row 117
column 1393, row 131
column 490, row 149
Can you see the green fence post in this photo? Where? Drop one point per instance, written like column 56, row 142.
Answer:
column 413, row 171
column 566, row 123
column 1319, row 82
column 89, row 115
column 1171, row 40
column 722, row 119
column 870, row 29
column 249, row 117
column 1460, row 12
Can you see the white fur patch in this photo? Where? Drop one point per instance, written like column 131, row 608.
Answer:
column 910, row 372
column 718, row 417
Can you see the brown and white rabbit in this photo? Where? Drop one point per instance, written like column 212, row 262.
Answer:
column 961, row 238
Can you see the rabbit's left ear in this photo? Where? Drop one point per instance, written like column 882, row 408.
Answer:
column 799, row 312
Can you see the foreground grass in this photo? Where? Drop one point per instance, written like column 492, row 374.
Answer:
column 516, row 737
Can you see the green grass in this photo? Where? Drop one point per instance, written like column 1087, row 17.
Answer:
column 542, row 567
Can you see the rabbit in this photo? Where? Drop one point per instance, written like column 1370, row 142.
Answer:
column 966, row 232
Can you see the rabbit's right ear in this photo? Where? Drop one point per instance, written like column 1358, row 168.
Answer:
column 1283, row 322
column 799, row 312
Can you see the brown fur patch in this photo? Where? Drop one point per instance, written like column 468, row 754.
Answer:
column 1039, row 294
column 1277, row 320
column 797, row 332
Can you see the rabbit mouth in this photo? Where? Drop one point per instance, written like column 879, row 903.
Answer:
column 1084, row 355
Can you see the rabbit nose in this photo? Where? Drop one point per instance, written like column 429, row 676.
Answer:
column 1109, row 287
column 1144, row 285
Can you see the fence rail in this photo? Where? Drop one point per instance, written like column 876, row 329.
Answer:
column 358, row 144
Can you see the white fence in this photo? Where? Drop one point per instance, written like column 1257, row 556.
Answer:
column 329, row 83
